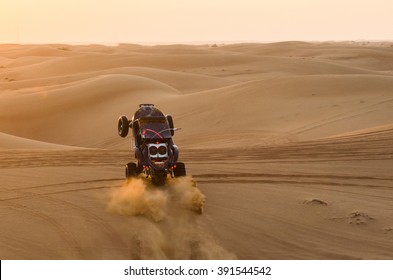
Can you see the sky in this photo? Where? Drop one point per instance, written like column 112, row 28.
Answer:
column 193, row 21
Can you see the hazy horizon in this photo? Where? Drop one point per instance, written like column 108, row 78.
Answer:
column 176, row 21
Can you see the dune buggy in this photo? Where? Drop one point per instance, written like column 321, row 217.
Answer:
column 155, row 151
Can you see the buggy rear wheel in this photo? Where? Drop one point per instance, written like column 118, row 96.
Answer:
column 170, row 123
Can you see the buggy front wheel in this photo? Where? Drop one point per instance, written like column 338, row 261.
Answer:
column 131, row 170
column 180, row 169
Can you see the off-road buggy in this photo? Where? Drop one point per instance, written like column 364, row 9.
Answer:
column 155, row 151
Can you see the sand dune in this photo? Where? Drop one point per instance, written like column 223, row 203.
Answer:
column 13, row 142
column 290, row 142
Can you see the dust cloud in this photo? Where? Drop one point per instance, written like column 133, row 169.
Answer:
column 167, row 219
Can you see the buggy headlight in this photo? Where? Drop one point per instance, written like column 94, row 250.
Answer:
column 153, row 150
column 162, row 150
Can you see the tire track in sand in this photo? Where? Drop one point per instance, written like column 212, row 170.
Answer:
column 89, row 215
column 69, row 239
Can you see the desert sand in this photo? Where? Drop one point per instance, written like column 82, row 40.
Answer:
column 289, row 144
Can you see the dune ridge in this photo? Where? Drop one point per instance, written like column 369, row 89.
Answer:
column 249, row 80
